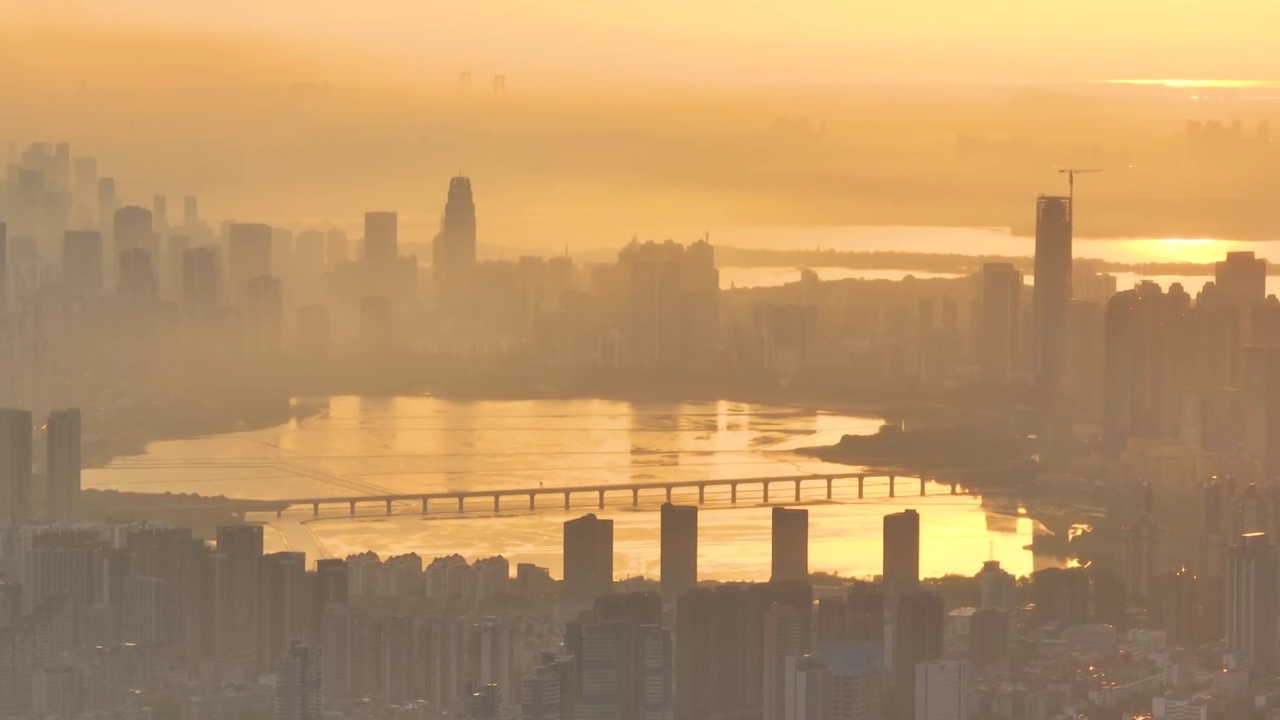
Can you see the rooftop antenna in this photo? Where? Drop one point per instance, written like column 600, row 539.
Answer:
column 1071, row 186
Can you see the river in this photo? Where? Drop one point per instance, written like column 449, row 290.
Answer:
column 364, row 445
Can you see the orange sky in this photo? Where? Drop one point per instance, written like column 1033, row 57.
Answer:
column 753, row 40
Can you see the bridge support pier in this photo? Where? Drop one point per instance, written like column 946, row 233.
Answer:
column 601, row 500
column 566, row 500
column 635, row 497
column 862, row 479
column 353, row 507
column 388, row 507
column 922, row 486
column 279, row 514
column 892, row 486
column 668, row 494
column 702, row 494
column 461, row 504
column 733, row 493
column 425, row 504
column 315, row 509
column 533, row 503
column 953, row 488
column 497, row 504
column 829, row 483
column 765, row 492
column 797, row 491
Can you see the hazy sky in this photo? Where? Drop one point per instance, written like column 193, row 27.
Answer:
column 752, row 40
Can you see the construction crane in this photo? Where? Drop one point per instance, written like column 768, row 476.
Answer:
column 1071, row 183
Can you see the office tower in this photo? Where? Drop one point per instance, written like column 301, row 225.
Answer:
column 782, row 642
column 700, row 304
column 540, row 695
column 808, row 689
column 901, row 561
column 588, row 557
column 340, row 645
column 264, row 315
column 377, row 335
column 82, row 262
column 249, row 256
column 998, row 323
column 190, row 212
column 453, row 255
column 999, row 588
column 137, row 275
column 1252, row 602
column 1145, row 337
column 917, row 639
column 1242, row 278
column 939, row 689
column 284, row 604
column 85, row 184
column 300, row 684
column 790, row 545
column 337, row 248
column 988, row 637
column 4, row 268
column 200, row 282
column 132, row 229
column 637, row 615
column 679, row 559
column 15, row 466
column 598, row 649
column 313, row 332
column 1052, row 295
column 651, row 332
column 1260, row 411
column 160, row 214
column 381, row 243
column 107, row 203
column 63, row 445
column 237, row 608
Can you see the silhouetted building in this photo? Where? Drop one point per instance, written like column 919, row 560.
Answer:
column 988, row 637
column 901, row 561
column 999, row 321
column 300, row 683
column 107, row 204
column 1242, row 278
column 917, row 638
column 1052, row 291
column 940, row 687
column 1252, row 602
column 15, row 466
column 783, row 639
column 63, row 465
column 238, row 596
column 137, row 275
column 588, row 557
column 200, row 282
column 453, row 256
column 1061, row 596
column 82, row 262
column 999, row 588
column 641, row 655
column 284, row 604
column 808, row 691
column 1260, row 411
column 131, row 229
column 249, row 256
column 679, row 560
column 337, row 248
column 4, row 268
column 790, row 545
column 264, row 315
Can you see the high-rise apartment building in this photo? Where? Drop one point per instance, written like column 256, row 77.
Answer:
column 237, row 606
column 63, row 465
column 588, row 557
column 15, row 466
column 939, row 690
column 917, row 639
column 1252, row 602
column 679, row 560
column 783, row 640
column 999, row 321
column 82, row 263
column 901, row 561
column 300, row 683
column 790, row 545
column 381, row 238
column 249, row 256
column 809, row 689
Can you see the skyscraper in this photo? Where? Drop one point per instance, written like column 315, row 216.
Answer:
column 917, row 639
column 1252, row 602
column 1052, row 294
column 300, row 684
column 4, row 268
column 106, row 203
column 998, row 587
column 782, row 641
column 939, row 690
column 809, row 689
column 63, row 467
column 790, row 545
column 453, row 255
column 998, row 322
column 652, row 331
column 337, row 248
column 637, row 614
column 264, row 315
column 282, row 613
column 249, row 256
column 85, row 183
column 313, row 332
column 137, row 274
column 200, row 282
column 377, row 331
column 679, row 560
column 1260, row 411
column 1242, row 278
column 15, row 466
column 131, row 228
column 540, row 695
column 237, row 606
column 901, row 563
column 381, row 243
column 588, row 557
column 82, row 262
